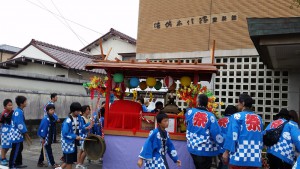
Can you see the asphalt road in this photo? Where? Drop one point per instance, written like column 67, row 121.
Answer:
column 31, row 154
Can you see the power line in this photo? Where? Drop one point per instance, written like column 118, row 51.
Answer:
column 65, row 18
column 68, row 25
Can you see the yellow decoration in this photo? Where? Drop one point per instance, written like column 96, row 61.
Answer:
column 185, row 81
column 151, row 82
column 143, row 85
column 150, row 97
column 134, row 93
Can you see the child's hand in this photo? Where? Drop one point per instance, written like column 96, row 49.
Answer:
column 140, row 162
column 43, row 141
column 225, row 157
column 178, row 163
column 78, row 138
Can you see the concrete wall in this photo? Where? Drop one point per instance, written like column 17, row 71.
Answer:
column 294, row 91
column 41, row 69
column 37, row 89
column 33, row 52
column 5, row 56
column 84, row 74
column 118, row 46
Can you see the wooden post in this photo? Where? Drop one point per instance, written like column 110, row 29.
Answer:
column 196, row 78
column 107, row 99
column 212, row 52
column 101, row 49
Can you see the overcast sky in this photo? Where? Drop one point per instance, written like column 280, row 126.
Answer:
column 22, row 21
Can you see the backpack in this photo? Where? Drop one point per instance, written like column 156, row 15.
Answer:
column 272, row 136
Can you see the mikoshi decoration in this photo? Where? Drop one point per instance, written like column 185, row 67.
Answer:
column 143, row 85
column 96, row 84
column 189, row 94
column 119, row 91
column 172, row 88
column 134, row 94
column 118, row 77
column 158, row 85
column 151, row 82
column 168, row 81
column 185, row 81
column 134, row 82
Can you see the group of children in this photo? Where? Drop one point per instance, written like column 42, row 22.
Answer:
column 75, row 129
column 13, row 132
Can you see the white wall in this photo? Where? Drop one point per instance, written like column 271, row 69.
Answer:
column 118, row 46
column 41, row 69
column 35, row 53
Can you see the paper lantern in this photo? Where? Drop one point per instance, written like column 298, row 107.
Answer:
column 172, row 87
column 143, row 85
column 134, row 82
column 158, row 85
column 168, row 81
column 118, row 77
column 151, row 81
column 185, row 81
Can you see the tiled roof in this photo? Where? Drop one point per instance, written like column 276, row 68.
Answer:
column 9, row 48
column 112, row 32
column 65, row 57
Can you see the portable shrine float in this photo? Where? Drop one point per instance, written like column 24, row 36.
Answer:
column 126, row 127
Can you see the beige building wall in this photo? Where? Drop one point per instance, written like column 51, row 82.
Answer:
column 5, row 56
column 228, row 35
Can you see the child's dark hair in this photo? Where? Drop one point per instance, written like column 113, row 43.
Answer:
column 50, row 106
column 20, row 100
column 84, row 108
column 6, row 101
column 230, row 110
column 246, row 99
column 75, row 106
column 141, row 100
column 161, row 116
column 53, row 95
column 203, row 100
column 159, row 103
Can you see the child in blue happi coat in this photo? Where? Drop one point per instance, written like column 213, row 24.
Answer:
column 224, row 123
column 17, row 132
column 86, row 111
column 6, row 125
column 70, row 135
column 157, row 145
column 45, row 132
column 282, row 154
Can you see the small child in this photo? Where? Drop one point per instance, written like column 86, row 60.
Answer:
column 157, row 145
column 45, row 131
column 6, row 125
column 86, row 112
column 71, row 129
column 17, row 133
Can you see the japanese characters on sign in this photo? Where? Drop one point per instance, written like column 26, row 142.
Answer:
column 197, row 20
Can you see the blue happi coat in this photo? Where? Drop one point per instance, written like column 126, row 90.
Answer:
column 18, row 127
column 224, row 123
column 68, row 135
column 45, row 111
column 97, row 125
column 5, row 129
column 289, row 139
column 153, row 150
column 44, row 128
column 204, row 137
column 244, row 139
column 297, row 164
column 84, row 133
